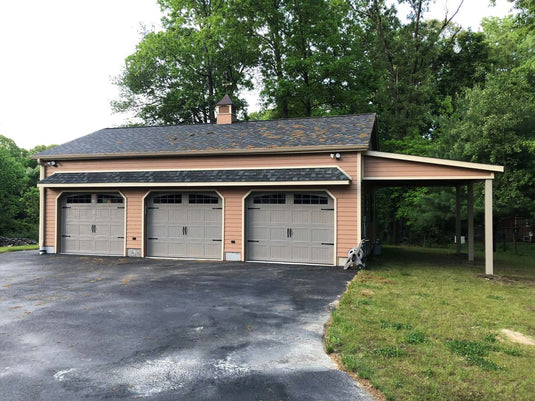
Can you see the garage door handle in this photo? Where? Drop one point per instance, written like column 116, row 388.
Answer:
column 217, row 240
column 252, row 240
column 152, row 238
column 326, row 209
column 217, row 208
column 66, row 236
column 120, row 237
column 253, row 208
column 184, row 230
column 327, row 243
column 289, row 232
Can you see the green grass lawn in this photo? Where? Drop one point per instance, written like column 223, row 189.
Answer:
column 18, row 248
column 423, row 324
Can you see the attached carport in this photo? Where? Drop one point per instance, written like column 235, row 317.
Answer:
column 381, row 169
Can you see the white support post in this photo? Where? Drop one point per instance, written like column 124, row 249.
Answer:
column 470, row 217
column 458, row 219
column 489, row 262
column 359, row 197
column 42, row 210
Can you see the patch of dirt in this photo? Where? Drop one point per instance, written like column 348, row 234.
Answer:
column 363, row 383
column 367, row 293
column 509, row 279
column 517, row 337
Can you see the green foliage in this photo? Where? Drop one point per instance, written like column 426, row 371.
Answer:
column 177, row 75
column 4, row 249
column 19, row 197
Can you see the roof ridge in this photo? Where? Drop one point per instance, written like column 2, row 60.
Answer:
column 239, row 121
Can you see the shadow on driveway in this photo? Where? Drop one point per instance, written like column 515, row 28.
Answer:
column 97, row 328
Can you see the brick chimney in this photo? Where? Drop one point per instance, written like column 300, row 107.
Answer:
column 226, row 111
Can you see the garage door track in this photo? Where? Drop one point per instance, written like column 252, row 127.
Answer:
column 110, row 328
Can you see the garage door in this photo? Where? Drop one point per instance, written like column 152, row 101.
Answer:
column 92, row 224
column 184, row 225
column 290, row 227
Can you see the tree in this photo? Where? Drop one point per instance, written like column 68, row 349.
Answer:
column 495, row 121
column 178, row 75
column 11, row 185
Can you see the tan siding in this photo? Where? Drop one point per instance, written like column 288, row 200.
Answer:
column 50, row 217
column 346, row 219
column 378, row 167
column 134, row 217
column 233, row 219
column 347, row 163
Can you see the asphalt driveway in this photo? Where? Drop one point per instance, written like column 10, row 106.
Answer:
column 97, row 328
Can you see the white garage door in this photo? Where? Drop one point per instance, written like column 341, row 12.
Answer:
column 92, row 224
column 184, row 225
column 290, row 227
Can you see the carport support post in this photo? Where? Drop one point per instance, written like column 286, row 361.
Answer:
column 470, row 216
column 458, row 219
column 489, row 262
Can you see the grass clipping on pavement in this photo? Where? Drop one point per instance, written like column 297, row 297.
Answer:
column 423, row 324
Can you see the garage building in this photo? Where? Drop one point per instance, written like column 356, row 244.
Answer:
column 290, row 191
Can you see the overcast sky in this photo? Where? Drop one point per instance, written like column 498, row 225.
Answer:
column 58, row 58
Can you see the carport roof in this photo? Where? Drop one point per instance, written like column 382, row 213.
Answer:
column 285, row 135
column 230, row 177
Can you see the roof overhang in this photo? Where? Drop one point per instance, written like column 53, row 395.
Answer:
column 196, row 178
column 231, row 152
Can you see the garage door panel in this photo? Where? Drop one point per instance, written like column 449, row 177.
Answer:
column 102, row 214
column 86, row 245
column 212, row 216
column 301, row 234
column 172, row 232
column 257, row 251
column 322, row 217
column 117, row 247
column 278, row 251
column 212, row 233
column 175, row 215
column 90, row 227
column 117, row 230
column 290, row 232
column 186, row 228
column 86, row 214
column 321, row 235
column 322, row 253
column 195, row 215
column 279, row 217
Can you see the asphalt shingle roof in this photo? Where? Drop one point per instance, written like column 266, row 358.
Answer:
column 200, row 176
column 342, row 131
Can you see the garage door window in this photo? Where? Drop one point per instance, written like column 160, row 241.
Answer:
column 173, row 198
column 309, row 199
column 84, row 198
column 270, row 199
column 109, row 199
column 203, row 199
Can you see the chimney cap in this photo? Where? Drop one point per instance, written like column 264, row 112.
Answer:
column 226, row 101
